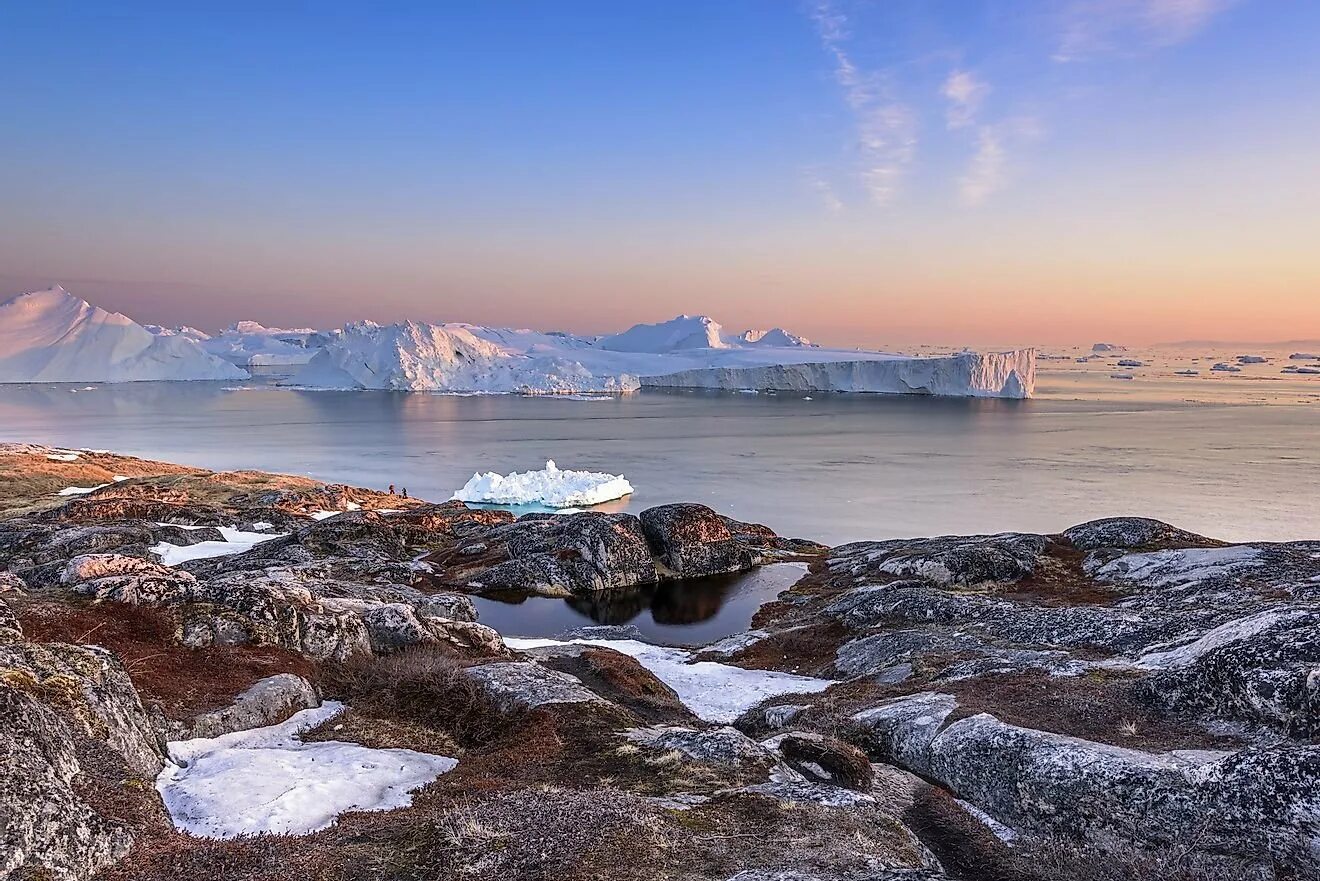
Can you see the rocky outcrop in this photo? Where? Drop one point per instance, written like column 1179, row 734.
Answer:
column 267, row 702
column 1131, row 534
column 1264, row 670
column 1258, row 803
column 691, row 540
column 93, row 692
column 45, row 827
column 528, row 685
column 956, row 560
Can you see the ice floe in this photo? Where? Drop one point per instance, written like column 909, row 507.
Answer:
column 269, row 781
column 552, row 487
column 714, row 692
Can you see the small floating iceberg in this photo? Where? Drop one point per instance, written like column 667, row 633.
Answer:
column 552, row 487
column 269, row 781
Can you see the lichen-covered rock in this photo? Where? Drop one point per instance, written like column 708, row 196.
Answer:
column 1264, row 669
column 91, row 690
column 556, row 555
column 528, row 685
column 12, row 585
column 395, row 626
column 129, row 580
column 267, row 702
column 271, row 611
column 954, row 560
column 38, row 551
column 767, row 542
column 691, row 540
column 1261, row 803
column 10, row 630
column 1132, row 533
column 723, row 747
column 916, row 602
column 103, row 508
column 46, row 830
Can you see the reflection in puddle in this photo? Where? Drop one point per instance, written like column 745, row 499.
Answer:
column 696, row 611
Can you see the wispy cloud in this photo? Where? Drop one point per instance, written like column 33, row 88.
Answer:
column 965, row 92
column 988, row 171
column 824, row 190
column 886, row 128
column 1096, row 27
column 985, row 175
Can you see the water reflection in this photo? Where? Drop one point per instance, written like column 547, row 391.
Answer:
column 692, row 612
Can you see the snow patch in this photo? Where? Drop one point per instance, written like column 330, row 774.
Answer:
column 80, row 490
column 236, row 542
column 714, row 692
column 551, row 487
column 268, row 781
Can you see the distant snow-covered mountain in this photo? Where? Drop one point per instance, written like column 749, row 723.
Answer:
column 54, row 336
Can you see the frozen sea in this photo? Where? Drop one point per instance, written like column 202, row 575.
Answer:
column 1236, row 457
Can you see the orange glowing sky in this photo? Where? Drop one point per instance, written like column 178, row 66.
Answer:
column 863, row 174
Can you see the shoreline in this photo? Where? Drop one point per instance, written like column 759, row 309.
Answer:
column 888, row 686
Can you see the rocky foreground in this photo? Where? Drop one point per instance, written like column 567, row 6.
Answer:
column 1121, row 700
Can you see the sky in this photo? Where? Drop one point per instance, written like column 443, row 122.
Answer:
column 896, row 171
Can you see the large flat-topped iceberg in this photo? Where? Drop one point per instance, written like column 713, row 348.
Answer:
column 687, row 352
column 969, row 374
column 53, row 336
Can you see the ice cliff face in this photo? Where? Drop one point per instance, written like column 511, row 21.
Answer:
column 970, row 374
column 53, row 336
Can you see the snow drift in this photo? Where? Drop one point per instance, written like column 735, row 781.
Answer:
column 53, row 336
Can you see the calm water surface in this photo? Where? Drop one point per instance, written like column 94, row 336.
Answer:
column 697, row 611
column 835, row 468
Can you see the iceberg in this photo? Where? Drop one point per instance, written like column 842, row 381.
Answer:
column 414, row 356
column 676, row 334
column 775, row 336
column 687, row 352
column 249, row 344
column 552, row 487
column 54, row 336
column 968, row 374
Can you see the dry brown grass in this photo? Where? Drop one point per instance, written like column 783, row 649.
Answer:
column 422, row 685
column 184, row 681
column 30, row 481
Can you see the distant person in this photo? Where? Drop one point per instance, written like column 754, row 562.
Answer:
column 405, row 492
column 391, row 489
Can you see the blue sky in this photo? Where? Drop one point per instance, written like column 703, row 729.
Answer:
column 882, row 171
